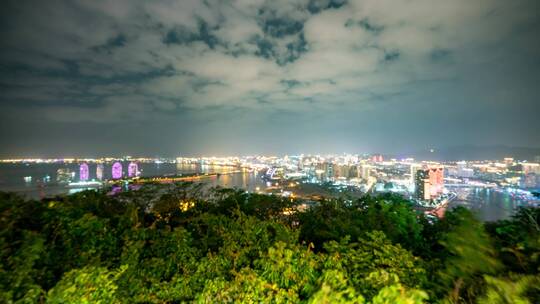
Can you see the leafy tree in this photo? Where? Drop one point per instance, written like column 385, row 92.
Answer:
column 87, row 285
column 184, row 243
column 334, row 219
column 397, row 294
column 374, row 263
column 18, row 272
column 156, row 258
column 518, row 240
column 510, row 291
column 471, row 256
column 336, row 289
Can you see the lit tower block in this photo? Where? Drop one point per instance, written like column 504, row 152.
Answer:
column 436, row 179
column 99, row 172
column 378, row 158
column 117, row 170
column 133, row 169
column 83, row 172
column 422, row 184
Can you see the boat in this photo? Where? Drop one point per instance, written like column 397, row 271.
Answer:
column 83, row 184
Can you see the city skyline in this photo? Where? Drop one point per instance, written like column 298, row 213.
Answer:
column 299, row 151
column 452, row 154
column 89, row 78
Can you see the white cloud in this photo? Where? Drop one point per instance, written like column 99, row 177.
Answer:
column 344, row 54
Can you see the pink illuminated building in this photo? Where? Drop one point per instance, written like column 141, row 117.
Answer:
column 83, row 172
column 117, row 170
column 377, row 158
column 429, row 182
column 133, row 169
column 436, row 180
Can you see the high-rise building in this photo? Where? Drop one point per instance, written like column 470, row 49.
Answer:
column 436, row 179
column 301, row 163
column 343, row 171
column 329, row 170
column 422, row 184
column 464, row 171
column 133, row 169
column 364, row 171
column 529, row 180
column 414, row 169
column 461, row 165
column 117, row 170
column 353, row 171
column 64, row 175
column 508, row 160
column 429, row 182
column 84, row 172
column 99, row 172
column 377, row 158
column 530, row 168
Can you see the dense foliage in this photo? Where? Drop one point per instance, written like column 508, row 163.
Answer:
column 180, row 243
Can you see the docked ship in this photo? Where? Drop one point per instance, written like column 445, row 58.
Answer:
column 438, row 207
column 85, row 184
column 273, row 174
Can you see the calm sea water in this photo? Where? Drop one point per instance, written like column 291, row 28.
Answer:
column 41, row 178
column 489, row 204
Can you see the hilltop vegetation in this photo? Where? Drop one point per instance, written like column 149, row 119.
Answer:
column 177, row 244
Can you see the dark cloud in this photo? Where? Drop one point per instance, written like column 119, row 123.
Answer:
column 279, row 27
column 438, row 55
column 391, row 55
column 214, row 77
column 112, row 43
column 182, row 35
column 316, row 6
column 366, row 25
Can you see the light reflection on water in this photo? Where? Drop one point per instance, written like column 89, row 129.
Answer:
column 488, row 204
column 12, row 176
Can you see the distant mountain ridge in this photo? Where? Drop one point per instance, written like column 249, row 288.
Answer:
column 457, row 153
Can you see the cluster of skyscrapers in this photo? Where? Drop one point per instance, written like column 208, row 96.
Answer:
column 426, row 181
column 64, row 175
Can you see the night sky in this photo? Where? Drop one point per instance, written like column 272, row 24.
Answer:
column 170, row 78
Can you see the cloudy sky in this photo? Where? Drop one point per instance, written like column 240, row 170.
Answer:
column 90, row 78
